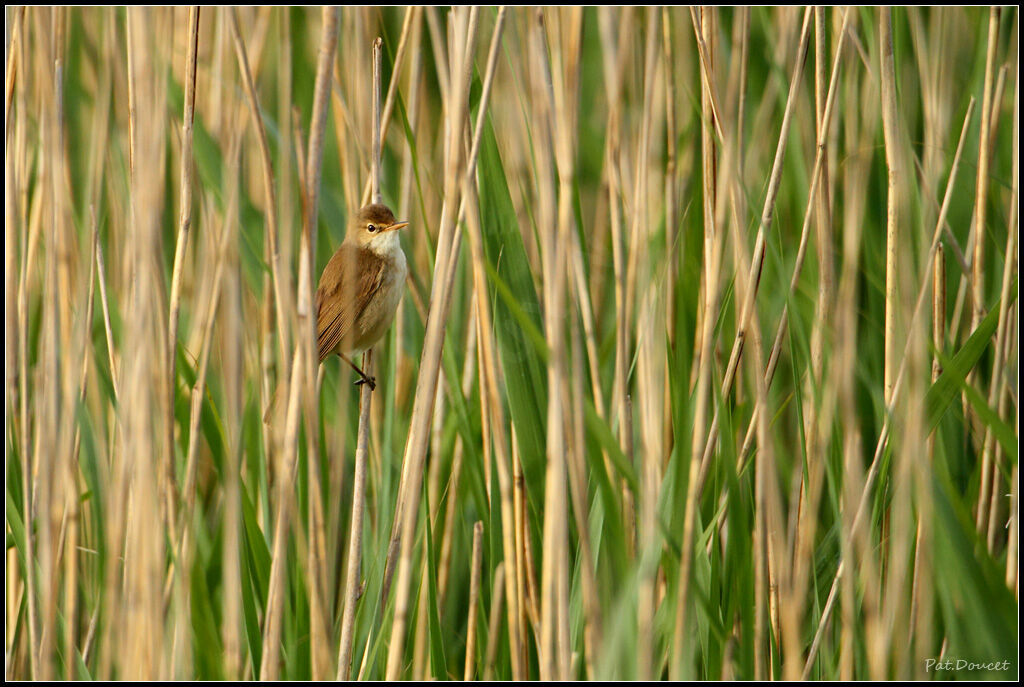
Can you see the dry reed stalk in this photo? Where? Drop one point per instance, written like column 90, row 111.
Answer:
column 982, row 183
column 51, row 450
column 466, row 182
column 554, row 93
column 374, row 180
column 407, row 176
column 17, row 214
column 613, row 71
column 811, row 479
column 493, row 624
column 469, row 367
column 493, row 409
column 355, row 547
column 995, row 498
column 303, row 371
column 267, row 168
column 566, row 92
column 184, row 227
column 259, row 23
column 651, row 362
column 706, row 51
column 180, row 566
column 353, row 588
column 887, row 605
column 440, row 300
column 182, row 529
column 311, row 187
column 14, row 42
column 524, row 601
column 586, row 308
column 182, row 534
column 233, row 337
column 320, row 611
column 531, row 592
column 999, row 383
column 673, row 192
column 977, row 280
column 704, row 29
column 352, row 156
column 920, row 614
column 894, row 165
column 1013, row 527
column 269, row 669
column 171, row 491
column 445, row 266
column 383, row 117
column 316, row 555
column 672, row 175
column 548, row 221
column 418, row 670
column 765, row 525
column 285, row 176
column 474, row 599
column 13, row 240
column 895, row 190
column 142, row 613
column 72, row 514
column 578, row 484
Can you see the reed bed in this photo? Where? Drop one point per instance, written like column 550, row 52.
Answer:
column 706, row 368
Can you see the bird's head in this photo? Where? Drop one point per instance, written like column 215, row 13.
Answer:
column 374, row 227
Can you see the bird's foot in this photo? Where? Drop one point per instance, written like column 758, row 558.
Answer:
column 370, row 381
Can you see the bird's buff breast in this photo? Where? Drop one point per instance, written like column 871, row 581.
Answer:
column 380, row 311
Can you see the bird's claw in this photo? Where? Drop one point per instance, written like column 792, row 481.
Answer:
column 371, row 381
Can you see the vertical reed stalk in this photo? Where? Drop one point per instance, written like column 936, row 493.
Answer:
column 474, row 599
column 440, row 300
column 184, row 227
column 355, row 546
column 893, row 159
column 998, row 384
column 305, row 353
column 977, row 280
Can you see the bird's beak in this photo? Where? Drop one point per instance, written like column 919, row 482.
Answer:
column 398, row 225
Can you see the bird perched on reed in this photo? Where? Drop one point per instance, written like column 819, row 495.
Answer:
column 359, row 290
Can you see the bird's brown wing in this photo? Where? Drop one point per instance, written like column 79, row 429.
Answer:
column 343, row 294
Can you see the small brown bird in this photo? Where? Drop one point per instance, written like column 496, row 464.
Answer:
column 359, row 289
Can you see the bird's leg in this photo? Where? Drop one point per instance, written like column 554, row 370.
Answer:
column 363, row 377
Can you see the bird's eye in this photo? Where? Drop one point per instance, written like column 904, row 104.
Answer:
column 371, row 228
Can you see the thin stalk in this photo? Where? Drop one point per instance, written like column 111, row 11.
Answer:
column 474, row 599
column 184, row 227
column 998, row 384
column 430, row 361
column 304, row 360
column 977, row 281
column 268, row 184
column 382, row 118
column 894, row 165
column 355, row 547
column 493, row 624
column 353, row 587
